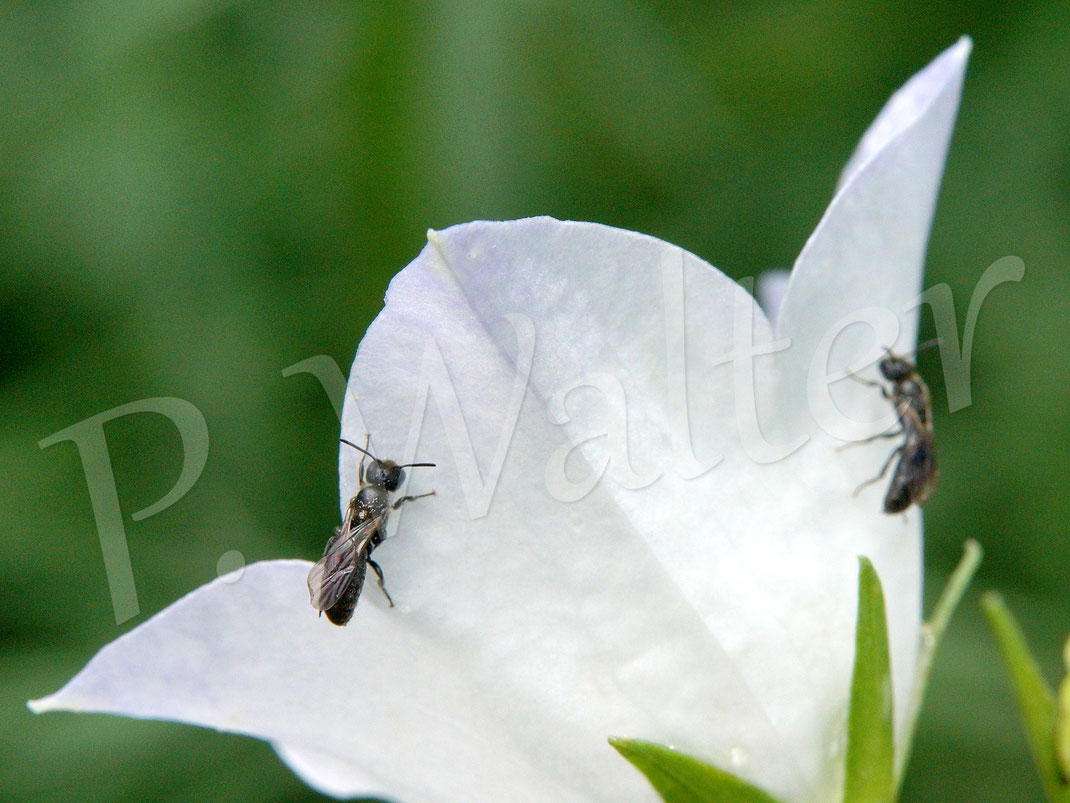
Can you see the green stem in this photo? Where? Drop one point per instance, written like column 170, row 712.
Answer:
column 932, row 633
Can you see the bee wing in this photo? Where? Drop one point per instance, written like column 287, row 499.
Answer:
column 923, row 470
column 333, row 573
column 915, row 474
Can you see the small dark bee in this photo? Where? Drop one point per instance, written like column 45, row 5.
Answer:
column 914, row 478
column 335, row 582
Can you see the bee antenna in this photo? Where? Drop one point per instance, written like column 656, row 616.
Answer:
column 418, row 465
column 359, row 449
column 928, row 344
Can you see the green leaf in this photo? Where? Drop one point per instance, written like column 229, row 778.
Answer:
column 679, row 778
column 1062, row 719
column 1036, row 701
column 932, row 633
column 870, row 746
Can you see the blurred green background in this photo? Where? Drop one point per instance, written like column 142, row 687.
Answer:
column 196, row 194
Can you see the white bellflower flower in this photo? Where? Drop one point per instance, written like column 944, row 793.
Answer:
column 641, row 527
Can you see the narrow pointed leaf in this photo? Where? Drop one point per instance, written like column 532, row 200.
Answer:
column 870, row 752
column 1036, row 701
column 679, row 778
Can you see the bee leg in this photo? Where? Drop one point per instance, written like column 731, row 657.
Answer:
column 379, row 574
column 405, row 499
column 884, row 391
column 883, row 471
column 870, row 439
column 332, row 539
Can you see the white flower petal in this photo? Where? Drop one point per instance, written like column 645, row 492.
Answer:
column 868, row 254
column 909, row 103
column 250, row 657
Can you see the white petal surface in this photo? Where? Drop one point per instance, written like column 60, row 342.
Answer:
column 695, row 595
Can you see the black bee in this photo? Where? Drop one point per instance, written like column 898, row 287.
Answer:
column 335, row 582
column 915, row 475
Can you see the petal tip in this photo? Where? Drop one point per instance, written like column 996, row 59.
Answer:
column 954, row 58
column 958, row 52
column 43, row 705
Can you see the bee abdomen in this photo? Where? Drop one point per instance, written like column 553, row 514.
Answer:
column 342, row 611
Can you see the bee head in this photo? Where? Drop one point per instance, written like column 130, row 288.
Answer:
column 895, row 369
column 384, row 473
